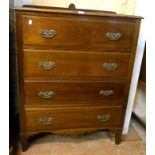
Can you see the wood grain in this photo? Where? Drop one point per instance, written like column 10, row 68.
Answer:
column 79, row 49
column 58, row 10
column 72, row 118
column 73, row 65
column 74, row 32
column 73, row 93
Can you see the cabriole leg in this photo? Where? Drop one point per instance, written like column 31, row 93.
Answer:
column 118, row 134
column 24, row 142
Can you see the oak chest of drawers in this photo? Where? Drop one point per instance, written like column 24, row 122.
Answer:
column 74, row 68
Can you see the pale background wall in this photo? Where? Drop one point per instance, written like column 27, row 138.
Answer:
column 119, row 6
column 21, row 2
column 139, row 10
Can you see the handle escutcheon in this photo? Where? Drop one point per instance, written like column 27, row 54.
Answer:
column 103, row 118
column 113, row 36
column 46, row 94
column 47, row 33
column 47, row 65
column 106, row 92
column 46, row 120
column 110, row 66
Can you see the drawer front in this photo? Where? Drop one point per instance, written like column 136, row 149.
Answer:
column 67, row 118
column 63, row 65
column 74, row 31
column 74, row 93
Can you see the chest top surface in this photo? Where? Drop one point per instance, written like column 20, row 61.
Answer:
column 59, row 10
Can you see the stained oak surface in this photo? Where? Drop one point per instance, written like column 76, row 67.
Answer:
column 75, row 65
column 73, row 93
column 78, row 50
column 75, row 31
column 72, row 118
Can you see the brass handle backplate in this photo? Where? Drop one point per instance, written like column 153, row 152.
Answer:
column 106, row 92
column 113, row 36
column 103, row 118
column 46, row 94
column 46, row 120
column 47, row 65
column 47, row 33
column 110, row 66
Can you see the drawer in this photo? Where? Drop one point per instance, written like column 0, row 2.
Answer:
column 74, row 31
column 68, row 118
column 73, row 93
column 63, row 65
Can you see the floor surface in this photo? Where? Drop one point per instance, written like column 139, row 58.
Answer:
column 140, row 102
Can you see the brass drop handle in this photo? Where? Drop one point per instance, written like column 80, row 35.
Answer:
column 47, row 33
column 110, row 66
column 46, row 120
column 113, row 36
column 47, row 65
column 46, row 94
column 103, row 118
column 106, row 92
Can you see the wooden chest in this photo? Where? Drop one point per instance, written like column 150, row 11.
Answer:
column 74, row 70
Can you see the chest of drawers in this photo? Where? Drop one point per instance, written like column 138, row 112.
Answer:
column 74, row 70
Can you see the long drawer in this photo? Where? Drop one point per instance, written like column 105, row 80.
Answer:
column 74, row 31
column 73, row 93
column 66, row 118
column 63, row 65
